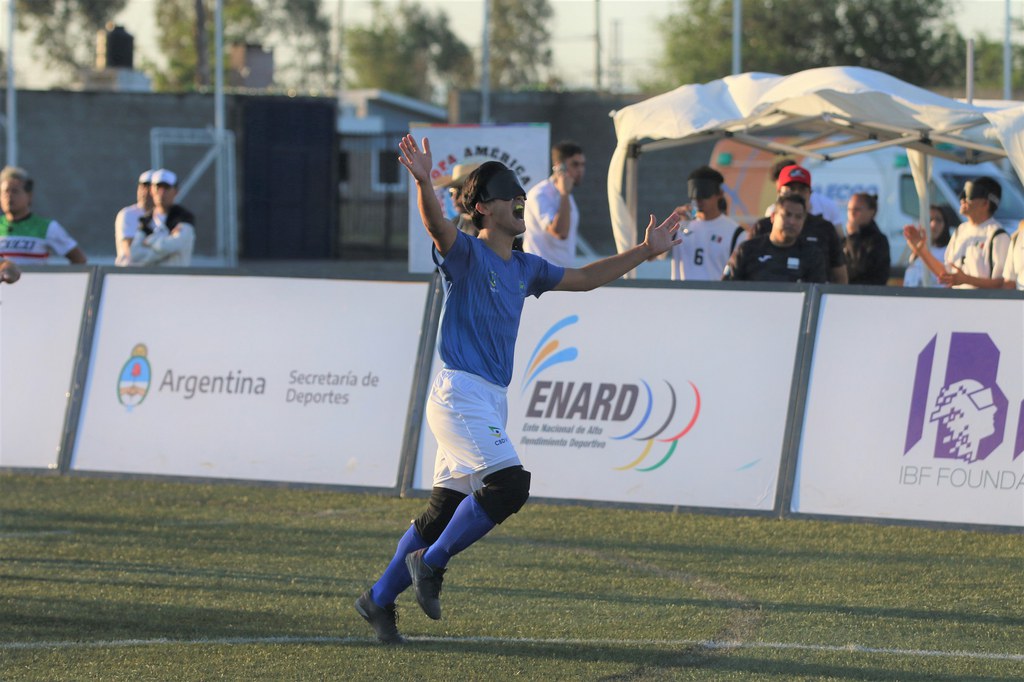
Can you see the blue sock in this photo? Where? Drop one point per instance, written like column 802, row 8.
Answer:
column 469, row 524
column 396, row 575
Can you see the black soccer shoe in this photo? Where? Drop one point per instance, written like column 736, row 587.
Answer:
column 383, row 619
column 426, row 581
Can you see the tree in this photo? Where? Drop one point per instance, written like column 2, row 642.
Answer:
column 914, row 40
column 178, row 26
column 66, row 29
column 407, row 50
column 988, row 67
column 186, row 38
column 520, row 43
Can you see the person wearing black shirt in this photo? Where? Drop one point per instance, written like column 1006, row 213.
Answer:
column 817, row 230
column 781, row 255
column 866, row 248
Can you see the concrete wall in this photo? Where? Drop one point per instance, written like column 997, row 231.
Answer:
column 584, row 117
column 85, row 151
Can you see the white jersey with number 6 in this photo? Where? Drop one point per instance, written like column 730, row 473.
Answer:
column 706, row 247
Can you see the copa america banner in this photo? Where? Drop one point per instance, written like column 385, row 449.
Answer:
column 524, row 147
column 685, row 405
column 39, row 334
column 915, row 410
column 294, row 380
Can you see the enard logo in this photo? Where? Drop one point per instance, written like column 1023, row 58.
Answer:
column 969, row 409
column 630, row 408
column 133, row 382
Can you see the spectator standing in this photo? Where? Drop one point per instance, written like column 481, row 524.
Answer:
column 462, row 218
column 126, row 224
column 1013, row 271
column 24, row 236
column 819, row 205
column 865, row 247
column 478, row 478
column 976, row 253
column 941, row 221
column 552, row 217
column 816, row 230
column 709, row 238
column 167, row 235
column 781, row 255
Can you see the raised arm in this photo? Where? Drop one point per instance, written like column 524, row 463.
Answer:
column 657, row 241
column 419, row 164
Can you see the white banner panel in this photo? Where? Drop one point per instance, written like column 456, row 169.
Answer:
column 296, row 380
column 914, row 411
column 652, row 396
column 42, row 318
column 523, row 147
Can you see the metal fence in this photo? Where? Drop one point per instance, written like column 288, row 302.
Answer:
column 372, row 197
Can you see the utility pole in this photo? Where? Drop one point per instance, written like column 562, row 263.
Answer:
column 202, row 53
column 485, row 67
column 597, row 45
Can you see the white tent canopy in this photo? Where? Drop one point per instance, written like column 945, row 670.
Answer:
column 840, row 110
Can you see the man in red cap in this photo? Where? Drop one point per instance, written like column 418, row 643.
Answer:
column 817, row 231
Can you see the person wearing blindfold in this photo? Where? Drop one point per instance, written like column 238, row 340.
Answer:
column 977, row 251
column 478, row 478
column 709, row 235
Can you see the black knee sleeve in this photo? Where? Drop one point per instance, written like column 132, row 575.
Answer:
column 504, row 492
column 440, row 508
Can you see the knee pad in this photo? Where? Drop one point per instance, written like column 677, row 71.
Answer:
column 440, row 508
column 504, row 492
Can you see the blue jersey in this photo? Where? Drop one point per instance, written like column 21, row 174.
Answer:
column 483, row 301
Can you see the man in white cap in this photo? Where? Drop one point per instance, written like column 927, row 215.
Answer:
column 126, row 224
column 167, row 235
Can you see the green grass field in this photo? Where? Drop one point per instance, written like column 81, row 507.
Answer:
column 140, row 580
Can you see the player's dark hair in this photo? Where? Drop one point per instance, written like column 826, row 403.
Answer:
column 707, row 173
column 779, row 165
column 870, row 199
column 949, row 221
column 566, row 149
column 474, row 185
column 794, row 198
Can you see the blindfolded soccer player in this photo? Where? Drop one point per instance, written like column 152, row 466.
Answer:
column 478, row 478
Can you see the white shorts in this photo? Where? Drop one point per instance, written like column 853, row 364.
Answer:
column 467, row 415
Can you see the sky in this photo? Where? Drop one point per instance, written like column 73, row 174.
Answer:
column 629, row 34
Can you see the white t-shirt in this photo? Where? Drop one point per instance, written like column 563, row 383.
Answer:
column 126, row 224
column 164, row 247
column 978, row 250
column 914, row 275
column 705, row 249
column 1013, row 271
column 542, row 202
column 820, row 205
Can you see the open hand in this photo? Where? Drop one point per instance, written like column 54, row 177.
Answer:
column 952, row 279
column 418, row 163
column 914, row 235
column 663, row 237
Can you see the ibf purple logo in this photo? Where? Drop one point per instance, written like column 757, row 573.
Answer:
column 969, row 409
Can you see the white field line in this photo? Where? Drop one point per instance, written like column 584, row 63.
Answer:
column 704, row 644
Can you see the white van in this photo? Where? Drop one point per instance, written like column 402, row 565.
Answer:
column 885, row 172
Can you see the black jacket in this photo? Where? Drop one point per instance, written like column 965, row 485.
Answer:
column 867, row 255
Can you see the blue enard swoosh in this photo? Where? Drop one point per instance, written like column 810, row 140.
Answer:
column 561, row 324
column 565, row 355
column 647, row 414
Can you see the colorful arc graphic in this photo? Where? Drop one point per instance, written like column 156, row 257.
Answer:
column 650, row 439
